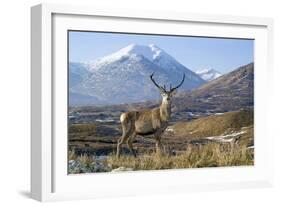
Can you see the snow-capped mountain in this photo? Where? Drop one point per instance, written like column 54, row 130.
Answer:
column 208, row 74
column 123, row 77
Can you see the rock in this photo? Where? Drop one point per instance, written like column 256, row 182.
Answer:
column 71, row 163
column 74, row 167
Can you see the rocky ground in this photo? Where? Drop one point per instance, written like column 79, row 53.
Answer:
column 96, row 165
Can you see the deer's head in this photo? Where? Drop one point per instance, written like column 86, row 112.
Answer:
column 167, row 95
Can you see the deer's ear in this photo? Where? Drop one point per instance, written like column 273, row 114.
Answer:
column 174, row 92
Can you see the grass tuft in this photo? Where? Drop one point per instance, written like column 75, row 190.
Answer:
column 72, row 155
column 85, row 159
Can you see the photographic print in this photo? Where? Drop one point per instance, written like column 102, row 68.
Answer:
column 155, row 102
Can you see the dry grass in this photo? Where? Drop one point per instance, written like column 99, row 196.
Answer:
column 83, row 158
column 215, row 125
column 210, row 155
column 72, row 155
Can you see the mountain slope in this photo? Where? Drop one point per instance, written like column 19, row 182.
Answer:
column 229, row 92
column 215, row 125
column 125, row 80
column 208, row 74
column 76, row 73
column 123, row 77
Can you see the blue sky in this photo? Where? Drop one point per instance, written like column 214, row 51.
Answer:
column 195, row 53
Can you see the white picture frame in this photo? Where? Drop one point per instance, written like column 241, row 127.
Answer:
column 49, row 180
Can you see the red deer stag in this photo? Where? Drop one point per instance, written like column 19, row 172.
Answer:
column 147, row 122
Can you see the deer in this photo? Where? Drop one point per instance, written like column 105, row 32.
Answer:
column 148, row 122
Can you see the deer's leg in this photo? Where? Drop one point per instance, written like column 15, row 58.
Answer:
column 159, row 146
column 126, row 133
column 130, row 144
column 119, row 144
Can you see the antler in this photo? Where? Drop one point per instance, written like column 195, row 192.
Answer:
column 159, row 87
column 172, row 89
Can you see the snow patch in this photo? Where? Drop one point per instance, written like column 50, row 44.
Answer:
column 170, row 129
column 226, row 138
column 150, row 52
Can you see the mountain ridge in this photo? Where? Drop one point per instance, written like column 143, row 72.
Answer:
column 123, row 77
column 208, row 74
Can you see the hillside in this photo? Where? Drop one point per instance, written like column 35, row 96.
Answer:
column 215, row 125
column 229, row 92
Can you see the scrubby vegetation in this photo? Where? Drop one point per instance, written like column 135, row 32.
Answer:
column 210, row 155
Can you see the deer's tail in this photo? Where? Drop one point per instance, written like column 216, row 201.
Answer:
column 126, row 123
